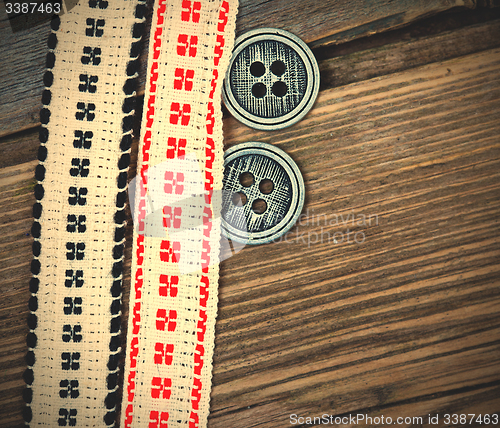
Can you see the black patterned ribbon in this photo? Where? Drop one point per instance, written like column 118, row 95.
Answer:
column 79, row 227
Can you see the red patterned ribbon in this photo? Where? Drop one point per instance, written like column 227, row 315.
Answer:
column 176, row 243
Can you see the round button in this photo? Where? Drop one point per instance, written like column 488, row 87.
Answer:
column 263, row 193
column 272, row 80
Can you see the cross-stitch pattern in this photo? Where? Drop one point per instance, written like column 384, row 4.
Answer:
column 79, row 230
column 172, row 307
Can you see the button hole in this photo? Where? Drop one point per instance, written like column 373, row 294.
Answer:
column 257, row 69
column 246, row 179
column 259, row 90
column 266, row 186
column 239, row 199
column 259, row 206
column 279, row 89
column 278, row 68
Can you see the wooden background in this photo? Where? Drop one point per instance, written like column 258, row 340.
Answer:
column 401, row 153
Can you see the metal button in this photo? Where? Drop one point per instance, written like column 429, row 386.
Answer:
column 272, row 80
column 263, row 193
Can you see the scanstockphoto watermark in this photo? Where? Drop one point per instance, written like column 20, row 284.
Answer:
column 169, row 202
column 361, row 419
column 336, row 228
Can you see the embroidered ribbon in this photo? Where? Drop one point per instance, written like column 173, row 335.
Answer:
column 74, row 319
column 173, row 300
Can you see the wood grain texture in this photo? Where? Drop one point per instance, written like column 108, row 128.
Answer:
column 19, row 147
column 403, row 324
column 390, row 58
column 339, row 68
column 310, row 327
column 335, row 21
column 16, row 190
column 21, row 74
column 329, row 21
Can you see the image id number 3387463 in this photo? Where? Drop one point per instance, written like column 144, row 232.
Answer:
column 27, row 7
column 460, row 419
column 471, row 418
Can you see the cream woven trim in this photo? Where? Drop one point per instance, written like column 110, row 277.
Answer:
column 86, row 131
column 173, row 301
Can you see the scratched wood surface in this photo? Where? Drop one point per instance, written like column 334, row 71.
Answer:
column 384, row 299
column 328, row 21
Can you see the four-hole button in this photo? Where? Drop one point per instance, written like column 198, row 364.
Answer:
column 272, row 80
column 263, row 193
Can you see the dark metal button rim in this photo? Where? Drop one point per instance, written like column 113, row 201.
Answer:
column 311, row 66
column 257, row 238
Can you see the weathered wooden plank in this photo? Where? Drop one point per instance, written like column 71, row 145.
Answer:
column 19, row 148
column 476, row 401
column 316, row 327
column 336, row 71
column 21, row 73
column 337, row 21
column 16, row 189
column 404, row 323
column 330, row 21
column 403, row 55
